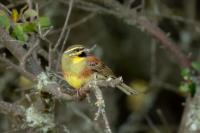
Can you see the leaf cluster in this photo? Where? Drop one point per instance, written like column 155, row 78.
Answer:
column 21, row 24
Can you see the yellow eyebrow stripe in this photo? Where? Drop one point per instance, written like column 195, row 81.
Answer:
column 73, row 49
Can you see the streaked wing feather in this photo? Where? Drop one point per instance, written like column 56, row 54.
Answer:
column 99, row 67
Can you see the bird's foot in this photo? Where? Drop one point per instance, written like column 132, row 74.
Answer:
column 81, row 94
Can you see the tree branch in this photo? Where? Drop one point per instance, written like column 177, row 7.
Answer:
column 170, row 45
column 17, row 68
column 16, row 110
column 18, row 51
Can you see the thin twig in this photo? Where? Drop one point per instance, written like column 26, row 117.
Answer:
column 153, row 61
column 65, row 40
column 38, row 25
column 62, row 48
column 86, row 118
column 29, row 52
column 65, row 25
column 92, row 7
column 81, row 21
column 50, row 52
column 170, row 45
column 17, row 68
column 77, row 23
column 48, row 31
column 128, row 3
column 164, row 121
column 29, row 3
column 50, row 56
column 189, row 21
column 152, row 125
column 5, row 8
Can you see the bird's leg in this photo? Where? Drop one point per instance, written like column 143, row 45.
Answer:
column 81, row 93
column 78, row 96
column 77, row 93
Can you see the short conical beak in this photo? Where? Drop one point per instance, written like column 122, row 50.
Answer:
column 89, row 50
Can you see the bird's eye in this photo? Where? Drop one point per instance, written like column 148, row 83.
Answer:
column 83, row 54
column 76, row 50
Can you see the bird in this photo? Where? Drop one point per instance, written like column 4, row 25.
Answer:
column 78, row 65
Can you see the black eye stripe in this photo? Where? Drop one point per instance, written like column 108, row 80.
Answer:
column 78, row 49
column 83, row 54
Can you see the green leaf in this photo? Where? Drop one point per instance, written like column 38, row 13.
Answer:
column 19, row 33
column 29, row 27
column 185, row 73
column 44, row 22
column 4, row 20
column 30, row 13
column 196, row 66
column 192, row 87
column 188, row 88
column 184, row 87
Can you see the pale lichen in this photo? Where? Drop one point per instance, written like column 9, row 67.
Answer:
column 44, row 122
column 193, row 118
column 43, row 81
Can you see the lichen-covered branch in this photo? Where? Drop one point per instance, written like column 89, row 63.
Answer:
column 13, row 109
column 46, row 85
column 191, row 119
column 94, row 85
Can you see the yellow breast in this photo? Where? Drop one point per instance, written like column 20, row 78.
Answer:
column 75, row 81
column 74, row 69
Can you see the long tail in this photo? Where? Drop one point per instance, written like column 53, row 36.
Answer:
column 126, row 89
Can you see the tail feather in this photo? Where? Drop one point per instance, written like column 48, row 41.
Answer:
column 126, row 89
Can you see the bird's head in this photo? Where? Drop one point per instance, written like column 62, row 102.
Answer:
column 76, row 51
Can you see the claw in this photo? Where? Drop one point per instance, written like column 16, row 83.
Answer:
column 99, row 103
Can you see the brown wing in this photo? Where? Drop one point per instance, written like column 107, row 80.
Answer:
column 99, row 67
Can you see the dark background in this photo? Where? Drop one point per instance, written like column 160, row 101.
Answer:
column 130, row 53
